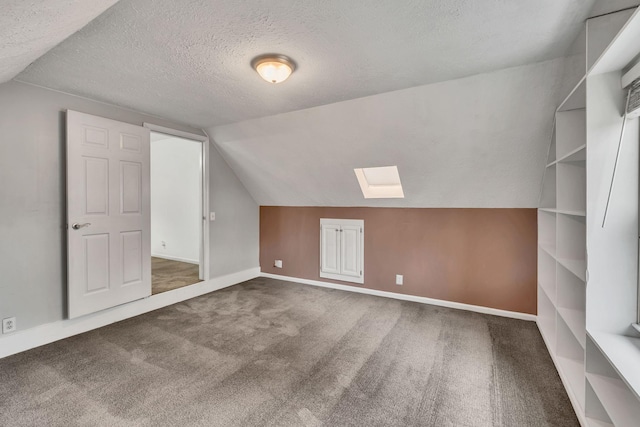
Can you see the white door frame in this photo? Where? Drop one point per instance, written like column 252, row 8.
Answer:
column 205, row 185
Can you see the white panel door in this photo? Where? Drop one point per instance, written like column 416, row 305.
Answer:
column 350, row 251
column 330, row 248
column 108, row 215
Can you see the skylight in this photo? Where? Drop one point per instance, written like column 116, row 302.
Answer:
column 380, row 183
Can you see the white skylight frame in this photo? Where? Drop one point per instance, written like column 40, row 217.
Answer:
column 380, row 182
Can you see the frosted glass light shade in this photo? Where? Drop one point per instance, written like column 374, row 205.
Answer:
column 273, row 68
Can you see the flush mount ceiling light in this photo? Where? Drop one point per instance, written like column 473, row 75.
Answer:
column 380, row 183
column 273, row 68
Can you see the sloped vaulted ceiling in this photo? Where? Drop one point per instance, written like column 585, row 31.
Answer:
column 366, row 91
column 480, row 141
column 189, row 60
column 28, row 29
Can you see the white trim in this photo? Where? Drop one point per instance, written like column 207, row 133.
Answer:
column 405, row 297
column 176, row 258
column 169, row 131
column 206, row 249
column 340, row 275
column 50, row 332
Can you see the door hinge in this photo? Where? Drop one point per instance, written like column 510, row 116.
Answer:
column 361, row 272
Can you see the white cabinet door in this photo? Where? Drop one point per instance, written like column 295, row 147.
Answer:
column 330, row 249
column 108, row 215
column 350, row 251
column 342, row 249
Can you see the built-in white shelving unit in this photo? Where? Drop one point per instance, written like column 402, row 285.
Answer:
column 585, row 271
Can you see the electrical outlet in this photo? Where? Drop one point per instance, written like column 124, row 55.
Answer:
column 278, row 263
column 164, row 245
column 399, row 279
column 8, row 325
column 212, row 216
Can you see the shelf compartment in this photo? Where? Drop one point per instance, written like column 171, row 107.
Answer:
column 548, row 196
column 609, row 38
column 546, row 320
column 595, row 412
column 571, row 190
column 570, row 363
column 621, row 354
column 571, row 131
column 597, row 423
column 547, row 231
column 568, row 345
column 577, row 155
column 571, row 249
column 551, row 156
column 572, row 373
column 621, row 405
column 547, row 274
column 571, row 301
column 577, row 98
column 575, row 320
column 577, row 267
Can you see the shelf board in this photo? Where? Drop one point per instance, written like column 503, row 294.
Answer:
column 621, row 50
column 577, row 155
column 572, row 373
column 564, row 211
column 552, row 210
column 577, row 267
column 576, row 98
column 548, row 294
column 548, row 248
column 552, row 163
column 575, row 320
column 572, row 213
column 624, row 355
column 591, row 422
column 621, row 405
column 547, row 330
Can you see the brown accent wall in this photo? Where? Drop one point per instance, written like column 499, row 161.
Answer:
column 484, row 257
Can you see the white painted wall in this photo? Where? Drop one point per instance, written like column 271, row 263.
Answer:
column 475, row 142
column 176, row 196
column 32, row 203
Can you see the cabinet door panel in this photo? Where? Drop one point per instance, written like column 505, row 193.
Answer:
column 330, row 248
column 350, row 251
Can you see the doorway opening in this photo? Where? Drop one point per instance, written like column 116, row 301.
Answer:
column 177, row 207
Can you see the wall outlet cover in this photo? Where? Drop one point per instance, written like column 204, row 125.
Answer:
column 399, row 279
column 278, row 263
column 9, row 325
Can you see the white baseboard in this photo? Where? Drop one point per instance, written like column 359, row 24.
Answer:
column 44, row 334
column 175, row 258
column 405, row 297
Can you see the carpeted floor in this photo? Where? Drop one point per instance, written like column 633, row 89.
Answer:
column 167, row 274
column 270, row 353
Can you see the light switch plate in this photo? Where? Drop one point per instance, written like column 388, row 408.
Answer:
column 399, row 279
column 212, row 216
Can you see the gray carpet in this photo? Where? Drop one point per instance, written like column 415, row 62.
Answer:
column 271, row 353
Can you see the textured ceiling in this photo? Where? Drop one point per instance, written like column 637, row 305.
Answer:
column 28, row 29
column 476, row 142
column 189, row 60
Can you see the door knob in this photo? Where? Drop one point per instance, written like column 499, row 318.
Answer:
column 77, row 226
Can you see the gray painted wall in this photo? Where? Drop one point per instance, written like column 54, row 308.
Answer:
column 32, row 202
